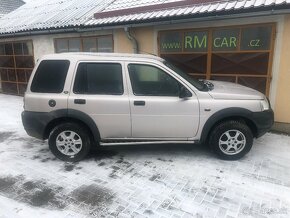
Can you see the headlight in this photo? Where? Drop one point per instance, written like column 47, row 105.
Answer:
column 265, row 105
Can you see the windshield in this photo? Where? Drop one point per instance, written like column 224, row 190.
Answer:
column 196, row 83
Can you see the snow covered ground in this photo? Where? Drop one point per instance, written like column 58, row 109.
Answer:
column 139, row 181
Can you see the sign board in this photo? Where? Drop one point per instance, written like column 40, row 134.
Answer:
column 230, row 39
column 195, row 41
column 256, row 38
column 225, row 40
column 171, row 42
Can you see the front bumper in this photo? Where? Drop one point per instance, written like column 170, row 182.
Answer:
column 264, row 121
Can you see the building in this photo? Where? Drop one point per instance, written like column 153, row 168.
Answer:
column 242, row 41
column 6, row 6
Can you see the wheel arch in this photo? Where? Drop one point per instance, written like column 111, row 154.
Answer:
column 239, row 114
column 76, row 117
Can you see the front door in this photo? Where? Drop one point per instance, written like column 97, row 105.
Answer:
column 157, row 112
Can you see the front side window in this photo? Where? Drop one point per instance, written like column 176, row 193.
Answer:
column 196, row 83
column 99, row 78
column 151, row 81
column 50, row 76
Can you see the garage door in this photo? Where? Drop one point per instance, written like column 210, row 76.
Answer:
column 240, row 54
column 16, row 65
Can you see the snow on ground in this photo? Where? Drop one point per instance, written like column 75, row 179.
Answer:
column 139, row 181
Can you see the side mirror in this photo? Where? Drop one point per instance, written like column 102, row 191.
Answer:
column 184, row 93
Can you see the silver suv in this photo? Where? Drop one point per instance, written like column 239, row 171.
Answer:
column 81, row 100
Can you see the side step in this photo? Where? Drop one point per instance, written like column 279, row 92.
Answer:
column 144, row 142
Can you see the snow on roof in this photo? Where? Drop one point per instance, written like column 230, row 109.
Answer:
column 6, row 6
column 50, row 14
column 63, row 14
column 176, row 9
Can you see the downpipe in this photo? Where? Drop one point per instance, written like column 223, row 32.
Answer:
column 132, row 39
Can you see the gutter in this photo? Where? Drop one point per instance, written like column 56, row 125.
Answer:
column 39, row 32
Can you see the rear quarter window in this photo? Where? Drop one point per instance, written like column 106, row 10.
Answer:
column 50, row 76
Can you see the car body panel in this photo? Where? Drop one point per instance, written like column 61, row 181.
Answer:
column 233, row 91
column 162, row 118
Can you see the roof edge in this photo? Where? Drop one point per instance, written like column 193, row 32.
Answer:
column 253, row 12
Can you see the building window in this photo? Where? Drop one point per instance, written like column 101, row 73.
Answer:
column 16, row 65
column 240, row 54
column 85, row 44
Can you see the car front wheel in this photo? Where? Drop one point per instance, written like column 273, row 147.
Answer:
column 69, row 142
column 231, row 140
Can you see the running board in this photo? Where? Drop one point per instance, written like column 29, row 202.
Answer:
column 145, row 142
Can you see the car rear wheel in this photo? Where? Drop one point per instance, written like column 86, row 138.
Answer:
column 231, row 140
column 69, row 142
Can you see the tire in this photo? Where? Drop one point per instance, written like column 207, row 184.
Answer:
column 231, row 140
column 69, row 142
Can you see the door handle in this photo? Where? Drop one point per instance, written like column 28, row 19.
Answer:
column 139, row 103
column 80, row 101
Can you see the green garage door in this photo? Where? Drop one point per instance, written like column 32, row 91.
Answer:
column 239, row 54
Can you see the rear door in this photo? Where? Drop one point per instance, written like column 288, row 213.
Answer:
column 99, row 91
column 157, row 112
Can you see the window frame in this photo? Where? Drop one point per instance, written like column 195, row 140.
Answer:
column 99, row 62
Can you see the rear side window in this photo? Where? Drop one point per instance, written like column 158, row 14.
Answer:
column 99, row 78
column 50, row 76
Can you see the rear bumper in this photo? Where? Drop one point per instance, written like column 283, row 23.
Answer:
column 35, row 123
column 264, row 121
